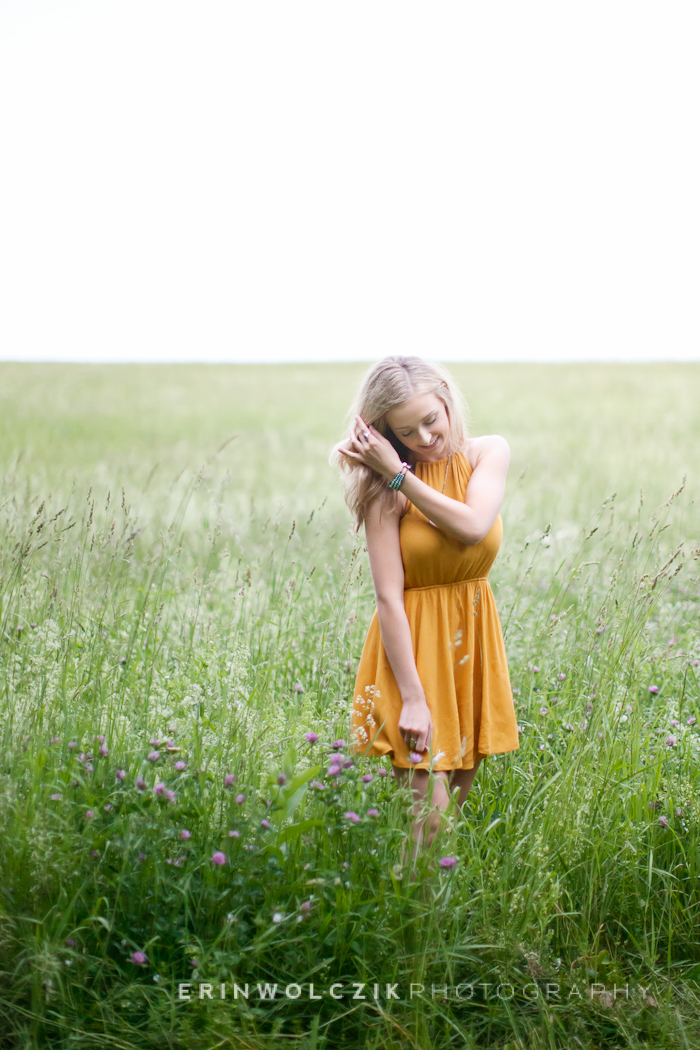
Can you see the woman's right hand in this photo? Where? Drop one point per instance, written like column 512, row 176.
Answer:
column 416, row 725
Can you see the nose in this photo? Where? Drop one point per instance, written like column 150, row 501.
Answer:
column 424, row 436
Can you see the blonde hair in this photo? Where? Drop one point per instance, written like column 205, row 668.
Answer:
column 390, row 383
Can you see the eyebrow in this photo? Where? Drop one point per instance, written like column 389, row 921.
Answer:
column 408, row 426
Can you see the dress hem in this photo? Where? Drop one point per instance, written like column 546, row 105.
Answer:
column 436, row 768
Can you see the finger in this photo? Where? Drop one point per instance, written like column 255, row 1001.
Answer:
column 362, row 427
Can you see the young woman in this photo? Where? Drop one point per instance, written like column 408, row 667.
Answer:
column 432, row 689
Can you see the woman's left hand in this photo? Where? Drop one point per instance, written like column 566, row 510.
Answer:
column 370, row 447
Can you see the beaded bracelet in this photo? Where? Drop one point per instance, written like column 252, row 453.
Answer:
column 396, row 482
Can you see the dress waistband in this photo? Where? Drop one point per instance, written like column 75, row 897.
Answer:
column 455, row 583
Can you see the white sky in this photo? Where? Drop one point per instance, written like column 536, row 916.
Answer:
column 296, row 180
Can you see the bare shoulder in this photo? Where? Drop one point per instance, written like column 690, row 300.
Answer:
column 491, row 446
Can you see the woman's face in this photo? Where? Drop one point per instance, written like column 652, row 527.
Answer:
column 422, row 424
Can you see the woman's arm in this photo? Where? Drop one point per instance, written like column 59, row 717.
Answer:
column 472, row 520
column 382, row 533
column 467, row 521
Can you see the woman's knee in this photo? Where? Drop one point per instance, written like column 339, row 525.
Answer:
column 435, row 820
column 436, row 789
column 431, row 795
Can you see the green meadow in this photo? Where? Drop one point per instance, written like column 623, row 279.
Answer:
column 182, row 608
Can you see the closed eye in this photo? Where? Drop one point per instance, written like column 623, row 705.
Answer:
column 428, row 422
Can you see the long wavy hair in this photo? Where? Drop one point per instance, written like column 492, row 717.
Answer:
column 390, row 383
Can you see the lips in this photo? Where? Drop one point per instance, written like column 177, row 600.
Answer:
column 427, row 448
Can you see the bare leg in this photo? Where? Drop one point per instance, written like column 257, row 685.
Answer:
column 426, row 827
column 464, row 778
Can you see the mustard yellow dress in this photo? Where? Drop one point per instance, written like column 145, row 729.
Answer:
column 457, row 643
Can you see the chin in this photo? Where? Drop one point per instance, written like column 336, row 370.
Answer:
column 438, row 448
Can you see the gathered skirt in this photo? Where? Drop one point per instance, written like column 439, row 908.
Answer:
column 461, row 662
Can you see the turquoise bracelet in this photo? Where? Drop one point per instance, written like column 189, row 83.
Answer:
column 396, row 482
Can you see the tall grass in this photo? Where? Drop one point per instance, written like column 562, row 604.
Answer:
column 192, row 628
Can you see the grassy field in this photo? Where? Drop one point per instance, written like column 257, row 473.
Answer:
column 182, row 606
